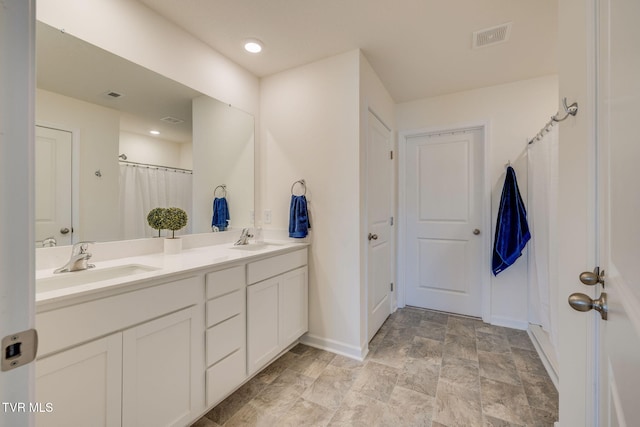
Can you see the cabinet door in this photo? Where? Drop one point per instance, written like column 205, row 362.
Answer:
column 293, row 306
column 159, row 371
column 262, row 323
column 83, row 385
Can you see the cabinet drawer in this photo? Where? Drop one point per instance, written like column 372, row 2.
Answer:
column 224, row 281
column 224, row 307
column 225, row 338
column 225, row 376
column 270, row 267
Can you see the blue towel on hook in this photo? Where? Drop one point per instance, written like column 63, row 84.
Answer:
column 298, row 217
column 220, row 213
column 512, row 230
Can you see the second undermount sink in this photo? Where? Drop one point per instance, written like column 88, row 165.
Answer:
column 257, row 246
column 83, row 277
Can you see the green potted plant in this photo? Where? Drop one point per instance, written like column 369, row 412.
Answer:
column 173, row 219
column 155, row 218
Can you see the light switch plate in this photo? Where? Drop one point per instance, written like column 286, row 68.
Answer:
column 267, row 216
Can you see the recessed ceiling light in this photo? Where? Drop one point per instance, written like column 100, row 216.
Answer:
column 253, row 46
column 154, row 132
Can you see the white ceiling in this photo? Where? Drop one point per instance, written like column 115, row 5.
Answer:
column 419, row 48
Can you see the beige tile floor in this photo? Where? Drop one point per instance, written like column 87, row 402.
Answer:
column 424, row 368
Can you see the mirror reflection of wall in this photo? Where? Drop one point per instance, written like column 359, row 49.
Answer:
column 78, row 88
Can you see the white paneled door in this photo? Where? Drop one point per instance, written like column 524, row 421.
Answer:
column 53, row 185
column 443, row 176
column 379, row 237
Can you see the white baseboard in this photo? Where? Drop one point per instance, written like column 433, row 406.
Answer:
column 508, row 322
column 545, row 350
column 333, row 346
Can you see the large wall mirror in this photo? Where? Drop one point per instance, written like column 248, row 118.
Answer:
column 99, row 169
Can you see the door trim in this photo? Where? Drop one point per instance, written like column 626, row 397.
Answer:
column 485, row 278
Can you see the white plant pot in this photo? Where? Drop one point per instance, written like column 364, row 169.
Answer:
column 172, row 246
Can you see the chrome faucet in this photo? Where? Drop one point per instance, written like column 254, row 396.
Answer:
column 244, row 237
column 78, row 260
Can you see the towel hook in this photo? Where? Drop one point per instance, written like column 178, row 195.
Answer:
column 224, row 190
column 303, row 184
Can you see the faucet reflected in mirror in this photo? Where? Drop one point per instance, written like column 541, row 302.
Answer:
column 109, row 114
column 79, row 259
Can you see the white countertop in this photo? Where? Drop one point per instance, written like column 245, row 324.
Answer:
column 160, row 265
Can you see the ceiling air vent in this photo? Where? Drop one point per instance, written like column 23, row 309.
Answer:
column 113, row 94
column 491, row 36
column 172, row 120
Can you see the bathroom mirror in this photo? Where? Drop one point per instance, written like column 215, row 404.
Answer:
column 94, row 149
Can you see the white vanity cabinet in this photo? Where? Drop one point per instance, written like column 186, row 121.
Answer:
column 277, row 306
column 82, row 385
column 226, row 332
column 144, row 372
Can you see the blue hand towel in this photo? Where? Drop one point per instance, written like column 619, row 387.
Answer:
column 512, row 230
column 220, row 213
column 298, row 217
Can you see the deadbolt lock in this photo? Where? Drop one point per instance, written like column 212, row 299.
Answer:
column 593, row 278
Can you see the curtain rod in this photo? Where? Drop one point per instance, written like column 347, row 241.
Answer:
column 570, row 110
column 149, row 165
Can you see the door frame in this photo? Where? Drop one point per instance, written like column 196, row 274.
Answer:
column 393, row 295
column 75, row 173
column 485, row 278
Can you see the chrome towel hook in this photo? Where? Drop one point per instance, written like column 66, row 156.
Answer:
column 303, row 184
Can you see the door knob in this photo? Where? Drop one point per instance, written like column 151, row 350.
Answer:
column 476, row 231
column 64, row 230
column 582, row 302
column 594, row 277
column 372, row 236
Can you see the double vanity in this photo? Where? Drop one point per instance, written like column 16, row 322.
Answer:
column 158, row 340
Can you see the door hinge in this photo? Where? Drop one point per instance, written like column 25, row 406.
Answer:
column 391, row 154
column 391, row 221
column 391, row 286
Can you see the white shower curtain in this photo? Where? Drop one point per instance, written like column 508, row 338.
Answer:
column 542, row 214
column 144, row 188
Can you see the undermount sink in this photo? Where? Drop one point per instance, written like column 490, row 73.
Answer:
column 83, row 277
column 257, row 246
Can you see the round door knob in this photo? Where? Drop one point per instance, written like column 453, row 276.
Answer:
column 476, row 231
column 372, row 236
column 582, row 302
column 64, row 230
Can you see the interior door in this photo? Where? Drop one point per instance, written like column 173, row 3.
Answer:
column 17, row 277
column 379, row 242
column 598, row 202
column 443, row 214
column 619, row 202
column 53, row 185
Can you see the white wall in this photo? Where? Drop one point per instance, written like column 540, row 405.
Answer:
column 133, row 31
column 310, row 129
column 97, row 131
column 515, row 112
column 153, row 150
